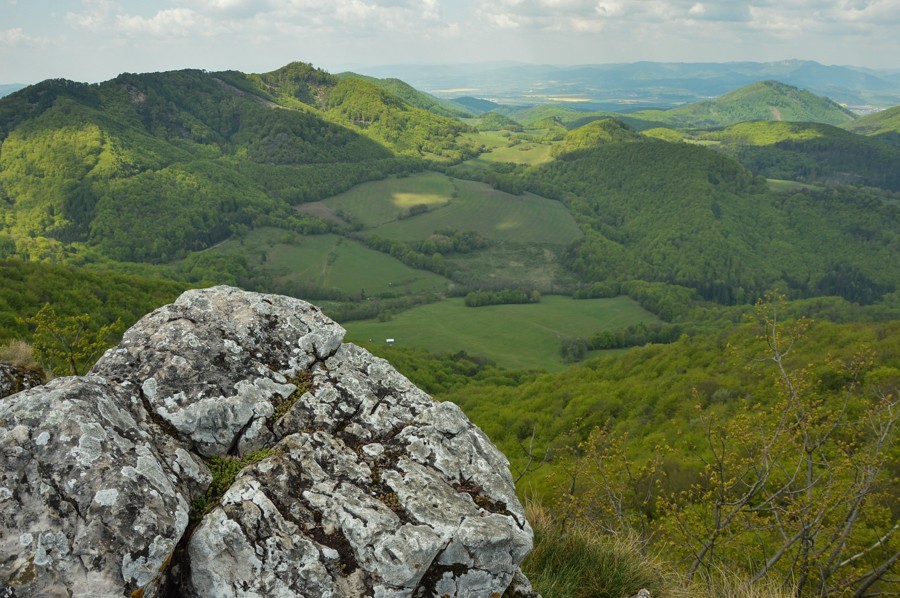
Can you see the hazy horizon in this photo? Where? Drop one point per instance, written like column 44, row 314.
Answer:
column 95, row 40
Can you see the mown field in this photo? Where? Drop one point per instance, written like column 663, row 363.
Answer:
column 515, row 336
column 330, row 262
column 379, row 202
column 494, row 214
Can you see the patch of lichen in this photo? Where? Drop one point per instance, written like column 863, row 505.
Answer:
column 303, row 381
column 224, row 470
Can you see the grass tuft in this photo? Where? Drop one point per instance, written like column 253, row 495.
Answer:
column 580, row 562
column 19, row 354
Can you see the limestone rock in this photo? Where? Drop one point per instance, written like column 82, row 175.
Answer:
column 88, row 496
column 14, row 379
column 368, row 486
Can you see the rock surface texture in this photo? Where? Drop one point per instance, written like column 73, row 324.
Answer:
column 14, row 379
column 358, row 483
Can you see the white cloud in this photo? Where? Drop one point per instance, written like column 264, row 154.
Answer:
column 212, row 17
column 12, row 37
column 16, row 36
column 171, row 22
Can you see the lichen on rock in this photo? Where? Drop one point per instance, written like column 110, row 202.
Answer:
column 370, row 487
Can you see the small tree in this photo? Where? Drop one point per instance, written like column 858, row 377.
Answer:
column 799, row 489
column 67, row 345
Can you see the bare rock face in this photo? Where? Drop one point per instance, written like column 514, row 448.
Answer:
column 362, row 485
column 89, row 496
column 14, row 379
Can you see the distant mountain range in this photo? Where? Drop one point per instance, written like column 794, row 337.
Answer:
column 643, row 85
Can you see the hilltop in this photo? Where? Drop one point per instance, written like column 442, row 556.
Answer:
column 767, row 100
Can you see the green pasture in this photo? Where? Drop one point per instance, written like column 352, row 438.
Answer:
column 378, row 202
column 515, row 336
column 329, row 261
column 494, row 214
column 511, row 265
column 497, row 144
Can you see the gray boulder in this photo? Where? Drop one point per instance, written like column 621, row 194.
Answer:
column 15, row 379
column 359, row 484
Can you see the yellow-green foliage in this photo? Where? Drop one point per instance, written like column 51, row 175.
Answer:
column 598, row 132
column 106, row 296
column 886, row 122
column 664, row 134
column 68, row 345
column 668, row 442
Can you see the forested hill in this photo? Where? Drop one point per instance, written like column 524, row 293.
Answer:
column 413, row 96
column 766, row 100
column 884, row 125
column 762, row 101
column 687, row 215
column 146, row 167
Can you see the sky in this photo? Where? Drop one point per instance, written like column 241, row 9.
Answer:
column 95, row 40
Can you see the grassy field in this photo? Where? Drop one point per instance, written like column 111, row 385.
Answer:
column 511, row 265
column 376, row 203
column 525, row 152
column 515, row 336
column 329, row 261
column 497, row 215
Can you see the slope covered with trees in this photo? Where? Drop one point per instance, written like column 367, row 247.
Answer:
column 149, row 167
column 687, row 215
column 812, row 152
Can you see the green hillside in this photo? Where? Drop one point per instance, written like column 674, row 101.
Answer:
column 148, row 167
column 366, row 107
column 767, row 100
column 106, row 296
column 595, row 133
column 475, row 105
column 812, row 152
column 414, row 97
column 687, row 215
column 495, row 121
column 884, row 125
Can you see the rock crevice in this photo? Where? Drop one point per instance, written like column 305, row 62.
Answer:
column 369, row 486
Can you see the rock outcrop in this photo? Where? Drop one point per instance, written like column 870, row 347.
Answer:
column 357, row 482
column 15, row 379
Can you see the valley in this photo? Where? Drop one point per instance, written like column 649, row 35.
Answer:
column 593, row 282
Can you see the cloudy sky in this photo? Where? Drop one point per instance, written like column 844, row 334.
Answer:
column 94, row 40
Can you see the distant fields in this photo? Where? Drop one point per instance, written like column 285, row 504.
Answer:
column 494, row 214
column 515, row 336
column 330, row 262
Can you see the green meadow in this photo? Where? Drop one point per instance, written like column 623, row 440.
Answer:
column 329, row 262
column 497, row 143
column 515, row 336
column 494, row 214
column 379, row 202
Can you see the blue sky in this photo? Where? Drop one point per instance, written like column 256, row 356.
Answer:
column 94, row 40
